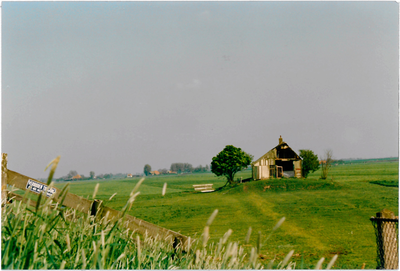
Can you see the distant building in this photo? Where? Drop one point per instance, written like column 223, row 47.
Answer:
column 155, row 172
column 77, row 177
column 280, row 161
column 129, row 176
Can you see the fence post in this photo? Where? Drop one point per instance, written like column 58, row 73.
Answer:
column 4, row 178
column 95, row 207
column 386, row 230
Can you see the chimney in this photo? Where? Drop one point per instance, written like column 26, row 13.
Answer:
column 280, row 140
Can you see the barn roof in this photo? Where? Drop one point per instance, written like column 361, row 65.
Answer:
column 281, row 151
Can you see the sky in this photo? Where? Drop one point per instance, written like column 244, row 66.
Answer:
column 112, row 86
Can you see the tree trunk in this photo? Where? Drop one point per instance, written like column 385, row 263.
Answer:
column 230, row 179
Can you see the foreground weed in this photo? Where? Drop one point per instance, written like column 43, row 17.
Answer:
column 52, row 237
column 45, row 239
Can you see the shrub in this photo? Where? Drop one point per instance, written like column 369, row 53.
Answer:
column 310, row 162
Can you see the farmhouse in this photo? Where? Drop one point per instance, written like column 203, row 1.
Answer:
column 77, row 177
column 281, row 161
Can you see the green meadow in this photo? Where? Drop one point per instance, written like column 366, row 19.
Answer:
column 323, row 217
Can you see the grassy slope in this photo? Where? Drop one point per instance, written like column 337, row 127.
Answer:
column 322, row 217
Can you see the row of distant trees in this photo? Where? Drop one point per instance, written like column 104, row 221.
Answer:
column 91, row 176
column 188, row 168
column 178, row 168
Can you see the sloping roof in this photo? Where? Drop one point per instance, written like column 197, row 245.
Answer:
column 77, row 177
column 282, row 150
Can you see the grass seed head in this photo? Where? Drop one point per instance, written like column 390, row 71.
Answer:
column 62, row 266
column 206, row 235
column 234, row 250
column 226, row 236
column 68, row 241
column 120, row 257
column 112, row 196
column 287, row 258
column 53, row 164
column 139, row 251
column 280, row 222
column 332, row 262
column 96, row 188
column 164, row 189
column 197, row 257
column 319, row 264
column 103, row 243
column 132, row 199
column 247, row 239
column 83, row 259
column 211, row 218
column 136, row 187
column 188, row 244
column 270, row 264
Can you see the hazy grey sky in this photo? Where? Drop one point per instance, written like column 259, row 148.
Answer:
column 111, row 86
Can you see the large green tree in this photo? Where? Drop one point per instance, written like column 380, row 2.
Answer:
column 230, row 161
column 147, row 169
column 310, row 162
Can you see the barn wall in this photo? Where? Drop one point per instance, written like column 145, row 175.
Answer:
column 260, row 172
column 264, row 172
column 297, row 169
column 255, row 172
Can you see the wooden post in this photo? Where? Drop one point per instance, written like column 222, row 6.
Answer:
column 4, row 179
column 387, row 232
column 95, row 207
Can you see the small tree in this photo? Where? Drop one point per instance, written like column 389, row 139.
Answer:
column 326, row 164
column 92, row 174
column 147, row 169
column 230, row 161
column 310, row 162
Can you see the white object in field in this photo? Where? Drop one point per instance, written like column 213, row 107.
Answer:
column 203, row 187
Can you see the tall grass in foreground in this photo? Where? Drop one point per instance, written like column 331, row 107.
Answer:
column 52, row 237
column 46, row 238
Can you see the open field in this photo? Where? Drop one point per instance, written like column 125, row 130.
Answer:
column 323, row 218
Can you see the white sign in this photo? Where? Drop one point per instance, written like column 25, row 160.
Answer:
column 37, row 187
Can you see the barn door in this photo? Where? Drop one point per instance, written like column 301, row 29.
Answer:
column 279, row 171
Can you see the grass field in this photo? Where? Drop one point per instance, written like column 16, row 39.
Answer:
column 323, row 218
